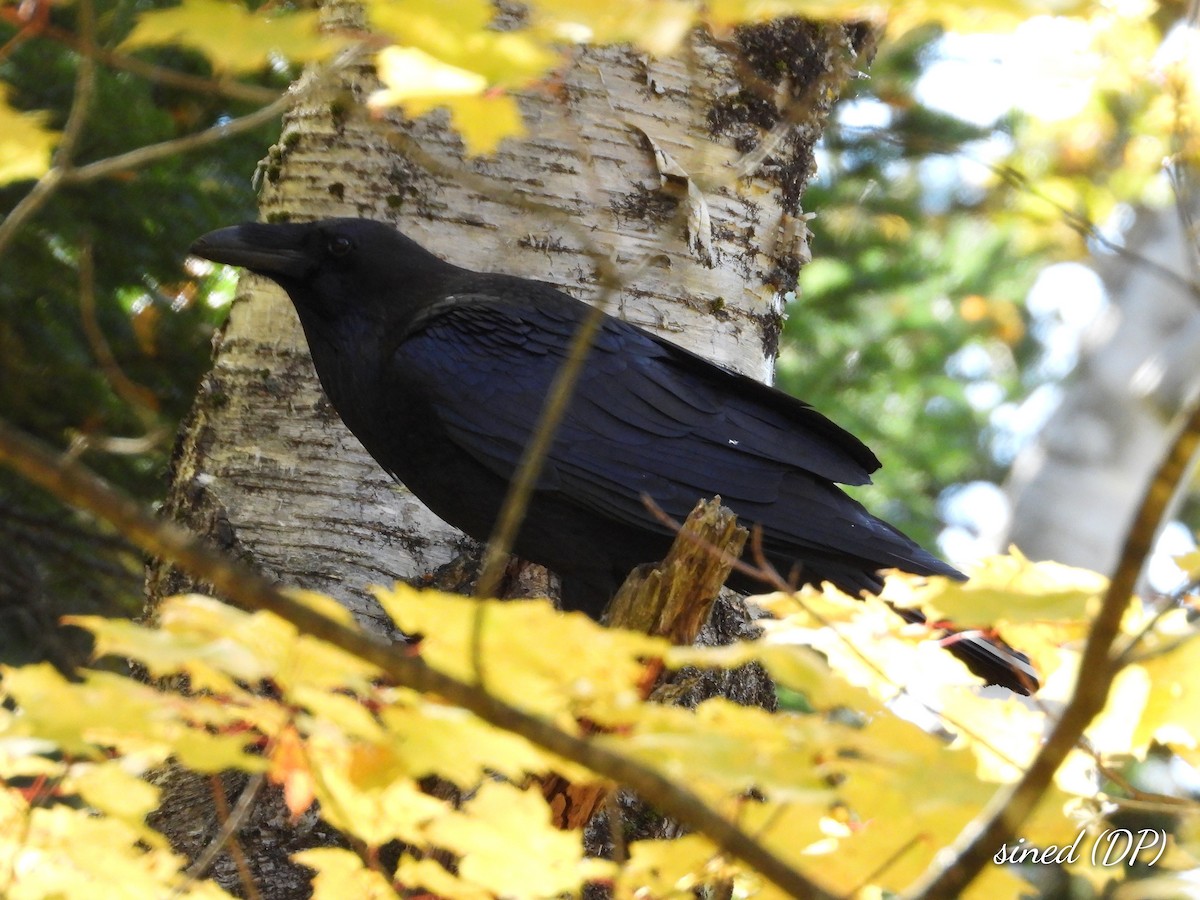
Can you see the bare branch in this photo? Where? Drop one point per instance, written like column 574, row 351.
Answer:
column 231, row 821
column 143, row 155
column 1011, row 807
column 141, row 398
column 85, row 89
column 226, row 87
column 81, row 101
column 60, row 175
column 1079, row 223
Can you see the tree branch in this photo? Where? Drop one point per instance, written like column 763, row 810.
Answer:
column 1010, row 808
column 75, row 485
column 81, row 102
column 154, row 152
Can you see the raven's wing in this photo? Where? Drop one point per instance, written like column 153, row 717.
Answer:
column 647, row 418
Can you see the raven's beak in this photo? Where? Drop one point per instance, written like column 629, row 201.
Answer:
column 271, row 250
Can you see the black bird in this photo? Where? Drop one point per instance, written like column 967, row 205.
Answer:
column 441, row 373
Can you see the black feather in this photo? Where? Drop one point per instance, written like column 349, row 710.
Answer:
column 442, row 374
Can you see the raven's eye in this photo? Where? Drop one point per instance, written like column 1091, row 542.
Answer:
column 340, row 246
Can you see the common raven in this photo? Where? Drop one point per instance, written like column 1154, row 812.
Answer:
column 442, row 372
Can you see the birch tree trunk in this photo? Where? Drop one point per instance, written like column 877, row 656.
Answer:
column 686, row 172
column 1074, row 490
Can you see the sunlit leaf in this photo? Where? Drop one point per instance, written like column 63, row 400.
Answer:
column 341, row 874
column 666, row 868
column 507, row 844
column 657, row 27
column 1189, row 563
column 1171, row 661
column 64, row 852
column 110, row 789
column 362, row 792
column 435, row 739
column 231, row 36
column 25, row 143
column 1007, row 588
column 428, row 874
column 473, row 641
column 412, row 74
column 724, row 749
column 107, row 712
column 482, row 121
column 455, row 35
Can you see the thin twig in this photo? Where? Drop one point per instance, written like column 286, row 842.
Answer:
column 81, row 101
column 61, row 175
column 77, row 486
column 28, row 206
column 85, row 89
column 536, row 451
column 1074, row 220
column 954, row 869
column 224, row 838
column 895, row 856
column 143, row 155
column 1130, row 651
column 140, row 398
column 616, row 827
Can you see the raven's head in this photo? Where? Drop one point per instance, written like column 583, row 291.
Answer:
column 332, row 268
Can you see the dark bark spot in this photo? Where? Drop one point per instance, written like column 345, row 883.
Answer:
column 644, row 205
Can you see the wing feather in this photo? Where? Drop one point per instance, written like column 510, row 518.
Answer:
column 648, row 418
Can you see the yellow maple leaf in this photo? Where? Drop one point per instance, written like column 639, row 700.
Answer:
column 606, row 664
column 508, row 845
column 25, row 143
column 436, row 739
column 1171, row 661
column 209, row 662
column 114, row 791
column 419, row 83
column 657, row 28
column 362, row 793
column 410, row 73
column 107, row 711
column 47, row 860
column 290, row 768
column 483, row 121
column 1007, row 588
column 285, row 655
column 722, row 749
column 665, row 868
column 456, row 33
column 427, row 873
column 1189, row 563
column 231, row 36
column 341, row 874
